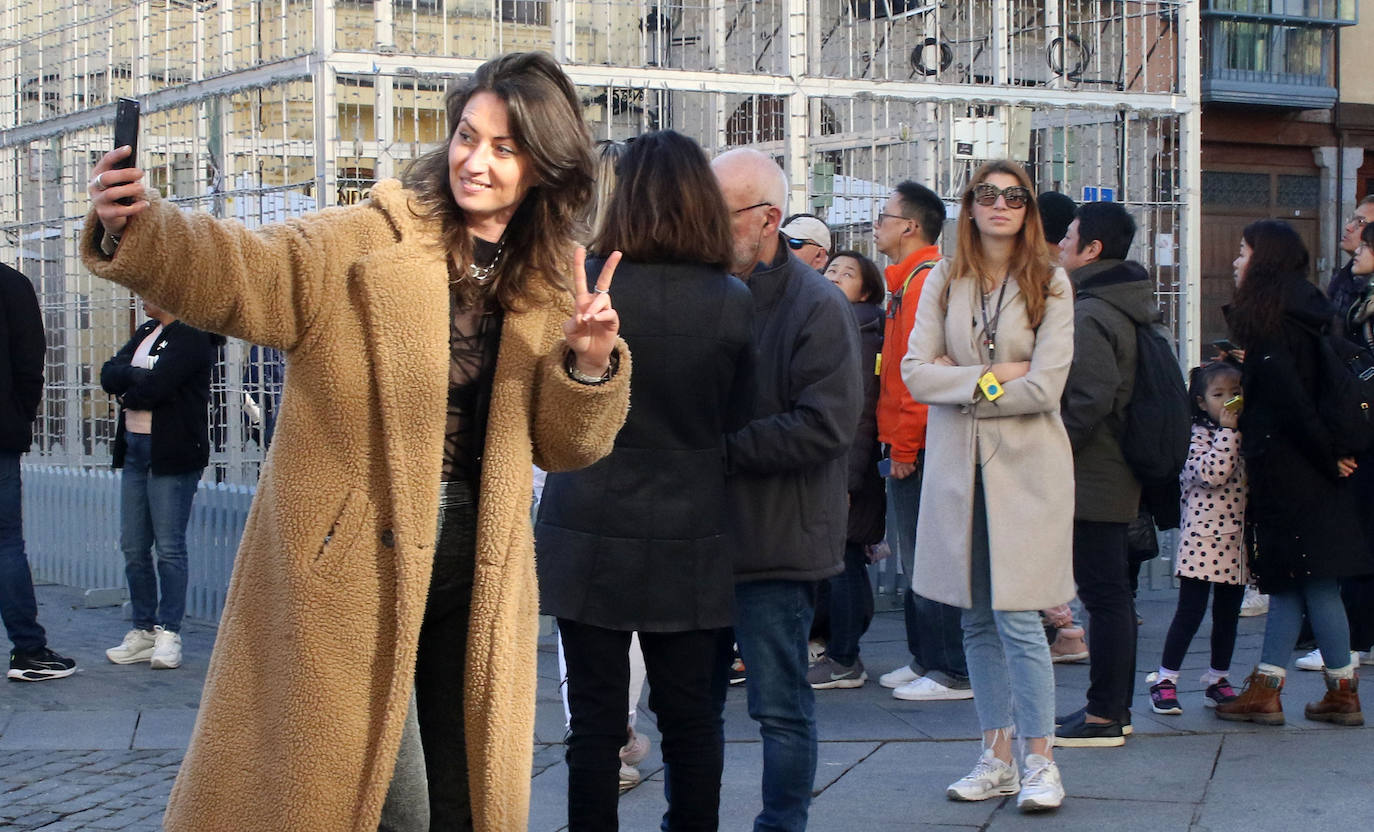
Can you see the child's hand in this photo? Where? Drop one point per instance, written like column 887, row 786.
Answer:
column 1228, row 418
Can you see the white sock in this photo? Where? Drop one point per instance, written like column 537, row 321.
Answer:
column 1212, row 676
column 1271, row 670
column 1166, row 673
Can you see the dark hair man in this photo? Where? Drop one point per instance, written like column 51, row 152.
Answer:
column 906, row 231
column 1113, row 296
column 1345, row 287
column 21, row 388
column 1056, row 212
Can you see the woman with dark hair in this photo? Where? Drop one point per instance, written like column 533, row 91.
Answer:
column 634, row 542
column 850, row 594
column 1302, row 513
column 990, row 354
column 434, row 351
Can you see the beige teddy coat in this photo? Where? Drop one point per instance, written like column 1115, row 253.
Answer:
column 301, row 715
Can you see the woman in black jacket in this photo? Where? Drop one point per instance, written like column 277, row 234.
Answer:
column 1302, row 513
column 634, row 542
column 851, row 595
column 161, row 379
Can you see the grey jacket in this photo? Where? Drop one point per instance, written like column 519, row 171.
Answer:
column 1111, row 298
column 788, row 467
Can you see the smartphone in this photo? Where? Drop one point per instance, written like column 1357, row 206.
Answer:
column 126, row 133
column 885, row 468
column 1224, row 345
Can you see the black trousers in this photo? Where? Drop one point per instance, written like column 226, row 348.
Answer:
column 679, row 668
column 1101, row 567
column 439, row 671
column 1192, row 605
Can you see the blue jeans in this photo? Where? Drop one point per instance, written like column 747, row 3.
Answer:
column 851, row 603
column 17, row 604
column 772, row 622
column 932, row 629
column 154, row 508
column 1008, row 657
column 1321, row 599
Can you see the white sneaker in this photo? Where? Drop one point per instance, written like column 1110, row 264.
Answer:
column 1313, row 660
column 990, row 778
column 136, row 647
column 633, row 752
column 167, row 650
column 629, row 777
column 1254, row 603
column 926, row 689
column 897, row 678
column 1041, row 788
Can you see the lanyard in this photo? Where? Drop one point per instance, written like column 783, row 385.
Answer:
column 990, row 327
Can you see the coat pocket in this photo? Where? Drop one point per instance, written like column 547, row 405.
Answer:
column 343, row 534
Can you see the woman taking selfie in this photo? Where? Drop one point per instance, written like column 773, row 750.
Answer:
column 634, row 543
column 990, row 353
column 434, row 352
column 1303, row 518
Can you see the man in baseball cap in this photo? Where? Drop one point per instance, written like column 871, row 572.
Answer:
column 809, row 238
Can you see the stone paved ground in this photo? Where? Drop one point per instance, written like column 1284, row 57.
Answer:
column 99, row 750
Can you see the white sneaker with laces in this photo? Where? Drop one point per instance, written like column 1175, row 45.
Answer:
column 1312, row 661
column 926, row 689
column 990, row 778
column 897, row 678
column 136, row 647
column 1041, row 788
column 166, row 650
column 1254, row 603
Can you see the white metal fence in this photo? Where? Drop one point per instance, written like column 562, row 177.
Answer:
column 71, row 532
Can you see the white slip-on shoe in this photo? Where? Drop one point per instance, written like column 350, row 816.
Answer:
column 990, row 778
column 898, row 677
column 136, row 647
column 926, row 689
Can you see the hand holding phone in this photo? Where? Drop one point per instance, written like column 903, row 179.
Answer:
column 126, row 134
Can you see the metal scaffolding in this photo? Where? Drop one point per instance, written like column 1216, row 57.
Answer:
column 263, row 109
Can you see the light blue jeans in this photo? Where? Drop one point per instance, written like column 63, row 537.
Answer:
column 1008, row 658
column 1320, row 598
column 154, row 508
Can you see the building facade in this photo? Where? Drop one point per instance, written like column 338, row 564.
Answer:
column 262, row 109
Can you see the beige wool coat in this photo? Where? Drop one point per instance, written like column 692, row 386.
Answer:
column 301, row 715
column 1018, row 440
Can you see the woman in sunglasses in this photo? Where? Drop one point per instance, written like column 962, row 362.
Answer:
column 989, row 353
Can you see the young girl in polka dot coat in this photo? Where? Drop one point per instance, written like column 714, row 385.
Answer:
column 1211, row 550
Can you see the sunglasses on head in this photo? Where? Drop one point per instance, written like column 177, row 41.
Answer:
column 797, row 245
column 1015, row 196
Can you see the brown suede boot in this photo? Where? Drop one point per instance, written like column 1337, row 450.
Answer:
column 1341, row 704
column 1258, row 702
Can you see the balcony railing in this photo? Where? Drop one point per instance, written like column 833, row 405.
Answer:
column 1263, row 62
column 1323, row 12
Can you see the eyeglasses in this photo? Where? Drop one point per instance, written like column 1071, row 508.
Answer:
column 883, row 216
column 797, row 245
column 1015, row 196
column 751, row 207
column 1357, row 221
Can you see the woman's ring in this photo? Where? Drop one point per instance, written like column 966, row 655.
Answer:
column 599, row 291
column 99, row 186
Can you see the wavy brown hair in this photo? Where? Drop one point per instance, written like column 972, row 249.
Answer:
column 1030, row 260
column 667, row 205
column 546, row 122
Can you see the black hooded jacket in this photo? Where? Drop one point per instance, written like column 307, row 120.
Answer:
column 1303, row 515
column 21, row 360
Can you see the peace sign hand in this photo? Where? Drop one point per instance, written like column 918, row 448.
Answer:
column 592, row 330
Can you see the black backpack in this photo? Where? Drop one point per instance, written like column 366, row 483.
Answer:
column 1345, row 393
column 1158, row 425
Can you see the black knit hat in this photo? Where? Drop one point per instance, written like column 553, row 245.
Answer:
column 1056, row 212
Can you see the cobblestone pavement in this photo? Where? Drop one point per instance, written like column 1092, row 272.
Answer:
column 64, row 791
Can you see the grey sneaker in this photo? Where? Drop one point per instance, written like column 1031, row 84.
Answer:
column 136, row 647
column 990, row 778
column 1041, row 788
column 827, row 673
